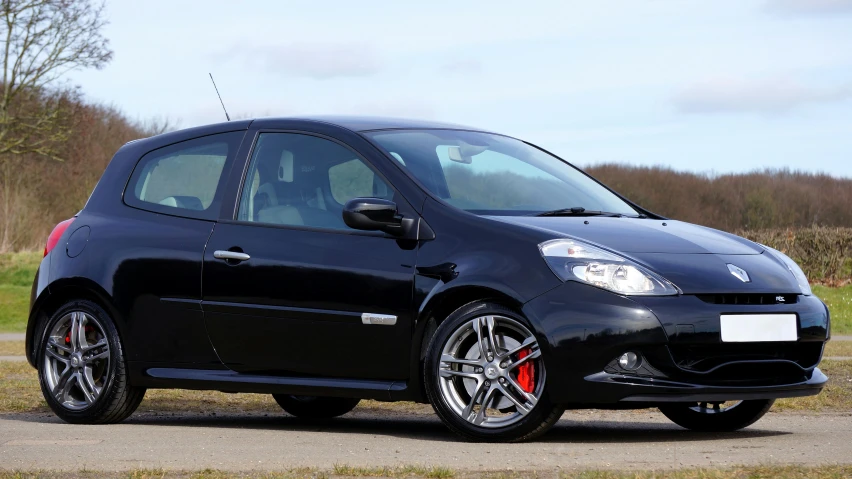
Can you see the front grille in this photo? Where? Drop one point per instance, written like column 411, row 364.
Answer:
column 764, row 363
column 749, row 299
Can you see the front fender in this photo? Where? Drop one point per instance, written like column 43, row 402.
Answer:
column 586, row 328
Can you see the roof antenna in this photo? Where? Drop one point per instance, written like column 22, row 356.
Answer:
column 220, row 97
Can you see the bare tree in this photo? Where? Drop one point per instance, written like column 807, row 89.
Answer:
column 42, row 41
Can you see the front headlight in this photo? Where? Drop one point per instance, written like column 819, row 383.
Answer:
column 804, row 285
column 573, row 260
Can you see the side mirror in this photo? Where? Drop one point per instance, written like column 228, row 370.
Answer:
column 373, row 214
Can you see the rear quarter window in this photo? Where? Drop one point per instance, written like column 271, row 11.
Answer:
column 184, row 179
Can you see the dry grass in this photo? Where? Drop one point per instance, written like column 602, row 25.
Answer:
column 838, row 348
column 416, row 471
column 11, row 348
column 402, row 471
column 19, row 389
column 836, row 396
column 754, row 472
column 20, row 392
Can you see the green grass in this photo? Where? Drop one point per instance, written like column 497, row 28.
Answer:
column 14, row 308
column 839, row 301
column 17, row 271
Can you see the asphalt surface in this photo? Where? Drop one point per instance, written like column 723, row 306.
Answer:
column 392, row 437
column 380, row 437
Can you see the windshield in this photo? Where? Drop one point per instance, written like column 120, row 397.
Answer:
column 495, row 175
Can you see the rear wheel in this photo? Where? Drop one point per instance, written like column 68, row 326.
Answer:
column 717, row 416
column 82, row 369
column 485, row 376
column 314, row 407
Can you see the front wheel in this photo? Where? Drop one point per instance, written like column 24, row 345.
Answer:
column 485, row 376
column 717, row 416
column 315, row 407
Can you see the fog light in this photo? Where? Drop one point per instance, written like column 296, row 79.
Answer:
column 629, row 361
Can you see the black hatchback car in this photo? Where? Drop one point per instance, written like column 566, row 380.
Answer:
column 325, row 260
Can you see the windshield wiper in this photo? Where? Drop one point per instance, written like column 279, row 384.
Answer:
column 578, row 211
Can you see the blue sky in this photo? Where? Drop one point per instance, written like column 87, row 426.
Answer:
column 713, row 86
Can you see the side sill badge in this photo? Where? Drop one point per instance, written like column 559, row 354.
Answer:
column 373, row 318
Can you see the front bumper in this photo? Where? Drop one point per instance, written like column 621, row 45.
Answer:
column 585, row 329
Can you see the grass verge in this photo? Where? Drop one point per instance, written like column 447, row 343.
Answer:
column 839, row 301
column 750, row 472
column 14, row 308
column 836, row 396
column 20, row 392
column 17, row 271
column 11, row 348
column 838, row 348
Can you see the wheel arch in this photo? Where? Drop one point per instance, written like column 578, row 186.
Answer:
column 435, row 309
column 54, row 296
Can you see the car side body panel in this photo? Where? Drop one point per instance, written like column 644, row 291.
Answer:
column 143, row 267
column 156, row 275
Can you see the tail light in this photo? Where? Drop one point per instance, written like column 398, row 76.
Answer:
column 56, row 234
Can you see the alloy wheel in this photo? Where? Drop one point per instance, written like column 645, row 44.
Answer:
column 76, row 360
column 491, row 372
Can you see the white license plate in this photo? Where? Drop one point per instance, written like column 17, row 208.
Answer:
column 756, row 328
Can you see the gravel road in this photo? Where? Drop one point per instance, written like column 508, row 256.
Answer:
column 379, row 437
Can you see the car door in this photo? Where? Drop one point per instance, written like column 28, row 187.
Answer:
column 288, row 288
column 150, row 252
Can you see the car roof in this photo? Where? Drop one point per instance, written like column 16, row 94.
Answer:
column 352, row 123
column 367, row 123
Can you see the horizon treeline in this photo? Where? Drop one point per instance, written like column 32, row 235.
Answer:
column 43, row 192
column 771, row 198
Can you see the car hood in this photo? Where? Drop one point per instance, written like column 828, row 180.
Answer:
column 633, row 235
column 693, row 257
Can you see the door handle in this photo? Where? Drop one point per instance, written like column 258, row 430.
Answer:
column 231, row 255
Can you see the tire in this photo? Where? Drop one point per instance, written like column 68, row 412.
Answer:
column 739, row 416
column 313, row 407
column 459, row 380
column 111, row 398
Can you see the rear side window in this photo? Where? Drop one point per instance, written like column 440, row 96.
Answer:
column 184, row 179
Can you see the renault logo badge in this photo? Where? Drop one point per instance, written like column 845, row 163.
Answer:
column 739, row 273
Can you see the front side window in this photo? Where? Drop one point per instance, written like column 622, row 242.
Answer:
column 303, row 180
column 184, row 178
column 492, row 174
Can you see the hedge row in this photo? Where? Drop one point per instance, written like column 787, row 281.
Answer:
column 824, row 253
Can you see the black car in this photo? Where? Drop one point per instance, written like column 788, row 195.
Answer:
column 326, row 260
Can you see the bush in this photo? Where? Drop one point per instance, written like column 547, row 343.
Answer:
column 750, row 201
column 824, row 253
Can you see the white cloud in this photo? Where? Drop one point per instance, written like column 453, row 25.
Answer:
column 318, row 61
column 765, row 96
column 820, row 7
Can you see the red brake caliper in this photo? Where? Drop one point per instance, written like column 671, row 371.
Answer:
column 526, row 372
